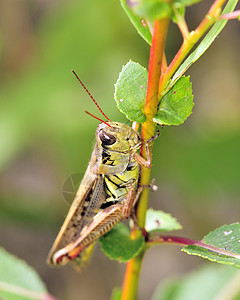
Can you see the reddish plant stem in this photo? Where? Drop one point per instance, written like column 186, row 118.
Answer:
column 178, row 240
column 156, row 61
column 190, row 40
column 168, row 239
column 130, row 284
column 233, row 15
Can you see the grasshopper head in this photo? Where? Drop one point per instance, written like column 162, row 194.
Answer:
column 117, row 137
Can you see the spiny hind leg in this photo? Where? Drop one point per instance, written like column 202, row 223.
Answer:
column 131, row 201
column 103, row 222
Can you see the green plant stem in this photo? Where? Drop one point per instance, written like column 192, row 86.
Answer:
column 130, row 284
column 131, row 278
column 149, row 127
column 190, row 40
column 181, row 22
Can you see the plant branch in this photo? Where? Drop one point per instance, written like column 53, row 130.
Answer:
column 178, row 240
column 233, row 15
column 170, row 239
column 156, row 61
column 130, row 284
column 181, row 22
column 190, row 40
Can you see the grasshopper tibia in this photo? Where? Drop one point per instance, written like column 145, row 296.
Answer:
column 103, row 222
column 147, row 163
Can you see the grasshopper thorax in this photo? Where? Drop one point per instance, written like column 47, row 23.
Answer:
column 117, row 137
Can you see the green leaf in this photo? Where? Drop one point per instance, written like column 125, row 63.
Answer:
column 18, row 281
column 152, row 9
column 221, row 245
column 176, row 105
column 130, row 91
column 206, row 42
column 208, row 283
column 116, row 293
column 142, row 27
column 227, row 236
column 118, row 245
column 159, row 221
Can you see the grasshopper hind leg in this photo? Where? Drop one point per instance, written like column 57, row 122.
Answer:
column 103, row 222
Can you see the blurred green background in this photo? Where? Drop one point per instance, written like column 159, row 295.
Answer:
column 45, row 136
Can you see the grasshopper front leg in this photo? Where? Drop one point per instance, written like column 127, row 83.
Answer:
column 103, row 222
column 147, row 163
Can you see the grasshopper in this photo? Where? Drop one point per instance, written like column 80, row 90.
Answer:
column 108, row 192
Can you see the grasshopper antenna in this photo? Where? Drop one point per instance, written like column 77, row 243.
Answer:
column 95, row 117
column 90, row 95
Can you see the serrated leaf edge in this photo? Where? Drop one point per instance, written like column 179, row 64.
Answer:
column 211, row 259
column 117, row 103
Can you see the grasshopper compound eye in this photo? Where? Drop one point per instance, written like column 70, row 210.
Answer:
column 107, row 138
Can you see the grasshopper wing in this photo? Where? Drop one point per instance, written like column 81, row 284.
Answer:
column 88, row 200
